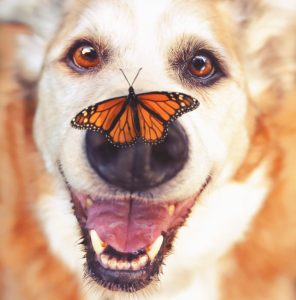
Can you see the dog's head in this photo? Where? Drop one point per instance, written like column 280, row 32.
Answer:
column 144, row 206
column 131, row 202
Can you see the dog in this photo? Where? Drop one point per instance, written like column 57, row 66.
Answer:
column 209, row 212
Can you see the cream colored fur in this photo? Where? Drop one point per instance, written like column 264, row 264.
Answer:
column 219, row 131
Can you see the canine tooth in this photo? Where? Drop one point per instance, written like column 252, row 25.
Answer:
column 97, row 243
column 153, row 249
column 88, row 203
column 143, row 260
column 171, row 209
column 104, row 259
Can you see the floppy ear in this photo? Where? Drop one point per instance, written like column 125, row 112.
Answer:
column 266, row 33
column 43, row 18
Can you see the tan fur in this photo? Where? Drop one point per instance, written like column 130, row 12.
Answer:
column 261, row 266
column 28, row 268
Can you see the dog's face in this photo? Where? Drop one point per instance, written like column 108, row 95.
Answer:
column 143, row 206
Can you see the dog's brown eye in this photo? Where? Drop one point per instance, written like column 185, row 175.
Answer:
column 201, row 66
column 86, row 57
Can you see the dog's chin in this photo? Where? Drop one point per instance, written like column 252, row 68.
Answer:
column 127, row 239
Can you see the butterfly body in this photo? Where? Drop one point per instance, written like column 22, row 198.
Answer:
column 125, row 119
column 132, row 101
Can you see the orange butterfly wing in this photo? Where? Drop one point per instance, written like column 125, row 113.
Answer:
column 124, row 131
column 157, row 109
column 148, row 117
column 152, row 129
column 113, row 117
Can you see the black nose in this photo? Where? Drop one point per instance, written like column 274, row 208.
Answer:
column 140, row 166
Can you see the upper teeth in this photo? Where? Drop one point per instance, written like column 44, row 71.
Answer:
column 88, row 203
column 98, row 245
column 153, row 249
column 171, row 209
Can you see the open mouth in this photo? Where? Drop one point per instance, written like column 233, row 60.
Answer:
column 127, row 240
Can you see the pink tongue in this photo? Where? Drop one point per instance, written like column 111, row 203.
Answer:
column 128, row 226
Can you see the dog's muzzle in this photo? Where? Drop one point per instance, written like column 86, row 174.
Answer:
column 127, row 237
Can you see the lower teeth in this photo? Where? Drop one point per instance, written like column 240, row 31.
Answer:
column 113, row 263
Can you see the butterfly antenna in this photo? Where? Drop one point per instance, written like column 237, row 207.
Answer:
column 136, row 76
column 125, row 77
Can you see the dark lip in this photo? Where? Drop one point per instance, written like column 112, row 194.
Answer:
column 124, row 280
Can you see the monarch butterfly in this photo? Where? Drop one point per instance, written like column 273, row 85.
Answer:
column 124, row 119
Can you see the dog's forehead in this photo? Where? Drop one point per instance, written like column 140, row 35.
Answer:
column 137, row 20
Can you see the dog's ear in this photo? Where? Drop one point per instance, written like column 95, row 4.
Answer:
column 43, row 19
column 266, row 35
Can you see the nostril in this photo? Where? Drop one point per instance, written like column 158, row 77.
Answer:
column 140, row 166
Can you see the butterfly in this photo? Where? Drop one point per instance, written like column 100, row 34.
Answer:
column 122, row 120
